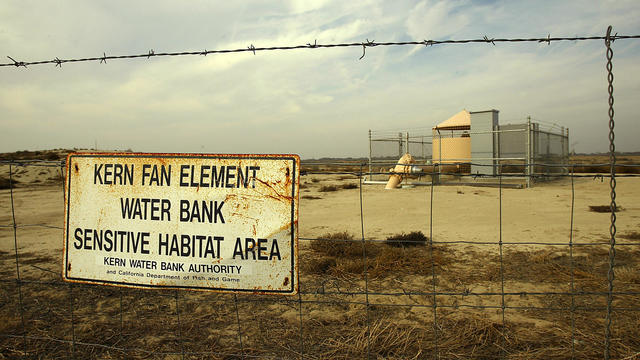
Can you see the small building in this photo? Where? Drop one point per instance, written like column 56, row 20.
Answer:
column 451, row 142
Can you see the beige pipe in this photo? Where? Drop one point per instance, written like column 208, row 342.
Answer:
column 396, row 178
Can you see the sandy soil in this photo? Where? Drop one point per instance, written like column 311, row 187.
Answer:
column 460, row 213
column 541, row 214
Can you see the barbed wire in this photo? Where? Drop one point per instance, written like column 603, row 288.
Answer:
column 253, row 49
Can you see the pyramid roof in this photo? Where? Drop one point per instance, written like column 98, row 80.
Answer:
column 463, row 118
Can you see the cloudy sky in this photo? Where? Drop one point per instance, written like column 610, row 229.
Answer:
column 318, row 102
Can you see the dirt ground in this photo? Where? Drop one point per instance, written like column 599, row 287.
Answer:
column 342, row 312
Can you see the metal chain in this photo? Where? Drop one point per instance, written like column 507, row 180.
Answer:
column 612, row 184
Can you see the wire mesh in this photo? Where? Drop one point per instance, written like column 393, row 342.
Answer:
column 366, row 292
column 523, row 149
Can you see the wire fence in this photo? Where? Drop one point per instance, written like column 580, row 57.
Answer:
column 511, row 148
column 441, row 291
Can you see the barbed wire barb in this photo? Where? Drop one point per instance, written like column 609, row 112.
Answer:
column 104, row 58
column 492, row 40
column 364, row 47
column 17, row 63
column 547, row 40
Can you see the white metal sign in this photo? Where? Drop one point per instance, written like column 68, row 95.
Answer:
column 209, row 222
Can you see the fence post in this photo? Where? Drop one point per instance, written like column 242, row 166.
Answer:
column 562, row 143
column 548, row 154
column 496, row 149
column 566, row 144
column 400, row 153
column 439, row 148
column 527, row 170
column 370, row 177
column 406, row 146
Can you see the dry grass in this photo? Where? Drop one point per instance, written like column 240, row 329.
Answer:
column 335, row 327
column 414, row 238
column 338, row 244
column 339, row 254
column 389, row 340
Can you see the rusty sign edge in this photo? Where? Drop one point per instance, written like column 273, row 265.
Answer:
column 295, row 199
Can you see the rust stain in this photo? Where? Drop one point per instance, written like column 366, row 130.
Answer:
column 286, row 281
column 75, row 166
column 238, row 214
column 278, row 196
column 69, row 267
column 284, row 227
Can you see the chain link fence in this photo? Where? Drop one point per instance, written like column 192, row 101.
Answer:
column 515, row 149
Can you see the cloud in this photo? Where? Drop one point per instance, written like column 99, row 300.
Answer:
column 316, row 102
column 436, row 19
column 303, row 6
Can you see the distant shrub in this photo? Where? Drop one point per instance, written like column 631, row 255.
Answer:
column 414, row 238
column 5, row 183
column 603, row 208
column 311, row 197
column 328, row 188
column 52, row 156
column 634, row 235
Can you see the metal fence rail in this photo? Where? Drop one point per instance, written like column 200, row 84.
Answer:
column 365, row 315
column 516, row 149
